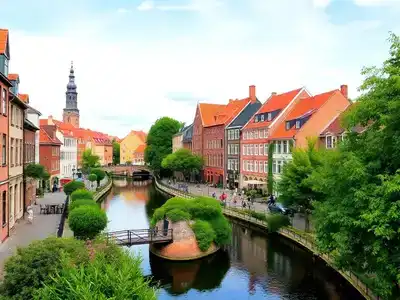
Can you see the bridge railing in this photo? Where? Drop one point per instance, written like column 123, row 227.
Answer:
column 139, row 236
column 176, row 191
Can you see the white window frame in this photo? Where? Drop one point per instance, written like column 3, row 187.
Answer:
column 256, row 134
column 265, row 149
column 265, row 167
column 256, row 166
column 237, row 134
column 269, row 116
column 260, row 166
column 262, row 118
column 288, row 125
column 260, row 149
column 297, row 124
column 255, row 119
column 255, row 149
column 329, row 145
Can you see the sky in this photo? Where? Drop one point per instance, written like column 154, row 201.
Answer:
column 136, row 61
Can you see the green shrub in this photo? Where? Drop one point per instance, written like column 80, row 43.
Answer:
column 205, row 208
column 100, row 279
column 100, row 175
column 81, row 202
column 72, row 186
column 92, row 177
column 258, row 215
column 81, row 194
column 33, row 266
column 177, row 214
column 205, row 234
column 222, row 229
column 87, row 221
column 276, row 221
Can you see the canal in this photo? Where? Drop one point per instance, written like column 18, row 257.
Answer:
column 253, row 266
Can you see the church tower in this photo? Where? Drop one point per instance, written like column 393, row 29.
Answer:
column 71, row 111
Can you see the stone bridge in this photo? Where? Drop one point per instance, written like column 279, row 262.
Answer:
column 128, row 169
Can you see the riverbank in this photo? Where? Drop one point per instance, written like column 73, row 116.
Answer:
column 302, row 240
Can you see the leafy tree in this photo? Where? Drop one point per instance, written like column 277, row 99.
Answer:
column 92, row 178
column 87, row 221
column 159, row 142
column 72, row 186
column 116, row 149
column 294, row 186
column 183, row 160
column 357, row 220
column 100, row 175
column 35, row 171
column 89, row 161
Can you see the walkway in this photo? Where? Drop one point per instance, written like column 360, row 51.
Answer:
column 24, row 233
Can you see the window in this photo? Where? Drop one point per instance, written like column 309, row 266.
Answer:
column 298, row 124
column 278, row 147
column 288, row 125
column 244, row 150
column 251, row 134
column 256, row 119
column 255, row 149
column 229, row 149
column 237, row 134
column 329, row 142
column 265, row 167
column 265, row 149
column 251, row 166
column 236, row 164
column 251, row 149
column 262, row 118
column 4, row 208
column 4, row 150
column 285, row 147
column 265, row 133
column 4, row 102
column 279, row 166
column 261, row 149
column 269, row 116
column 255, row 166
column 256, row 134
column 237, row 149
column 12, row 152
column 274, row 167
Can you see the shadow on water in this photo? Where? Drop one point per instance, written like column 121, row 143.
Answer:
column 253, row 266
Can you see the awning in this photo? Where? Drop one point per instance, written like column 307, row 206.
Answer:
column 255, row 182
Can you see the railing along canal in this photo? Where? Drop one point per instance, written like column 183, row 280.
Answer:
column 140, row 236
column 307, row 242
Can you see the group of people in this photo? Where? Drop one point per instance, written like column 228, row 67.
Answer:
column 235, row 199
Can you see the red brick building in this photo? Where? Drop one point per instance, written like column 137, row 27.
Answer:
column 209, row 134
column 255, row 135
column 50, row 151
column 5, row 85
column 29, row 158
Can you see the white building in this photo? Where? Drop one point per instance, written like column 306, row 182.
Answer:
column 33, row 116
column 68, row 153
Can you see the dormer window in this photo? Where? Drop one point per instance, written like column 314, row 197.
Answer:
column 269, row 116
column 256, row 119
column 262, row 118
column 288, row 125
column 298, row 124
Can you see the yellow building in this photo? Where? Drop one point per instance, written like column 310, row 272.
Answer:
column 129, row 144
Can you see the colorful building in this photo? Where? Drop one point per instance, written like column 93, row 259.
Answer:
column 307, row 119
column 71, row 111
column 178, row 138
column 29, row 158
column 16, row 170
column 187, row 137
column 129, row 144
column 209, row 134
column 5, row 85
column 138, row 156
column 50, row 152
column 102, row 146
column 255, row 136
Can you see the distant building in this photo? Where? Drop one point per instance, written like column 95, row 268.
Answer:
column 50, row 152
column 138, row 156
column 71, row 111
column 29, row 158
column 187, row 137
column 129, row 144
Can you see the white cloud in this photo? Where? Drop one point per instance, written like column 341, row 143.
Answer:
column 190, row 5
column 321, row 3
column 146, row 5
column 124, row 83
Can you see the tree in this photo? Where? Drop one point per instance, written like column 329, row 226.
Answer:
column 116, row 149
column 159, row 142
column 87, row 221
column 357, row 220
column 100, row 175
column 182, row 161
column 35, row 171
column 89, row 161
column 92, row 178
column 72, row 186
column 294, row 186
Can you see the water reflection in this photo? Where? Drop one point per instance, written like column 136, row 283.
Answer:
column 253, row 266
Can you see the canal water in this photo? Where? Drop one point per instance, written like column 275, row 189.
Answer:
column 253, row 266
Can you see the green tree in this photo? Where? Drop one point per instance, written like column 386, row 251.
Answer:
column 183, row 160
column 92, row 178
column 116, row 149
column 87, row 221
column 89, row 161
column 159, row 142
column 72, row 186
column 100, row 175
column 357, row 220
column 35, row 171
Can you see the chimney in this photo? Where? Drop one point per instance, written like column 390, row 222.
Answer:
column 344, row 90
column 50, row 120
column 273, row 94
column 252, row 93
column 230, row 100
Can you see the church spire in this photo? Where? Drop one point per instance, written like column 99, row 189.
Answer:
column 71, row 111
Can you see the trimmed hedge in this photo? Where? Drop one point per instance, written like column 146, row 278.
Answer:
column 72, row 186
column 87, row 221
column 81, row 202
column 81, row 194
column 205, row 234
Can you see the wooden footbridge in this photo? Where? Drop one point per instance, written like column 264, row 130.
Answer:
column 140, row 236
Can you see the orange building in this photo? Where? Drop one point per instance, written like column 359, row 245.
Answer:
column 138, row 155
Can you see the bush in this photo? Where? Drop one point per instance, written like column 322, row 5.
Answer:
column 92, row 177
column 101, row 279
column 31, row 267
column 177, row 214
column 81, row 202
column 276, row 221
column 81, row 194
column 100, row 175
column 205, row 234
column 222, row 229
column 72, row 186
column 86, row 221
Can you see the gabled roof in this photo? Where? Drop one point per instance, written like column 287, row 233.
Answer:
column 273, row 103
column 30, row 126
column 219, row 114
column 335, row 127
column 306, row 106
column 140, row 149
column 140, row 134
column 24, row 98
column 4, row 42
column 45, row 138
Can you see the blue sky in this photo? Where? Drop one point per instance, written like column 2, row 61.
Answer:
column 139, row 60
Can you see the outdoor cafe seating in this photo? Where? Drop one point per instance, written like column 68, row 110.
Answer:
column 51, row 209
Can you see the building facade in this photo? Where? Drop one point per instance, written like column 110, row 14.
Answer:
column 33, row 115
column 29, row 158
column 16, row 170
column 68, row 153
column 5, row 85
column 256, row 133
column 71, row 111
column 232, row 142
column 129, row 144
column 138, row 156
column 50, row 153
column 307, row 119
column 187, row 137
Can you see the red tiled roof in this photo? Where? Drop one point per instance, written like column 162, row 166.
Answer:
column 275, row 102
column 335, row 126
column 24, row 97
column 13, row 76
column 140, row 149
column 45, row 138
column 3, row 40
column 140, row 134
column 305, row 106
column 218, row 114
